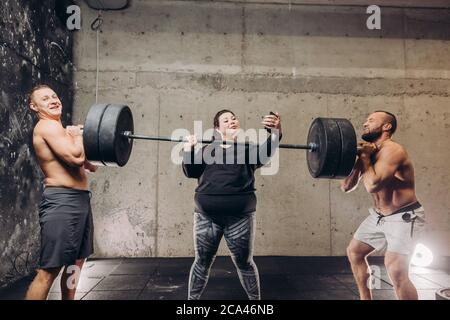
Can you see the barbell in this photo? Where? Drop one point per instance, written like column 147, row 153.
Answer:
column 108, row 136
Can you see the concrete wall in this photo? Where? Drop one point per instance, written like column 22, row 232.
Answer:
column 27, row 58
column 176, row 62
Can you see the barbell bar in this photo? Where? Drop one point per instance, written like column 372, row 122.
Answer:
column 108, row 136
column 130, row 135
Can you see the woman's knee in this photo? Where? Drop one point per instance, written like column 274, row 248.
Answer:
column 244, row 262
column 203, row 262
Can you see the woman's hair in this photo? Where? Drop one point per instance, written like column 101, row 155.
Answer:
column 218, row 114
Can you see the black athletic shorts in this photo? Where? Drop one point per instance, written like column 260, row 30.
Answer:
column 67, row 228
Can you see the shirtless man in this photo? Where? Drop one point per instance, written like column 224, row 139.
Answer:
column 65, row 213
column 397, row 218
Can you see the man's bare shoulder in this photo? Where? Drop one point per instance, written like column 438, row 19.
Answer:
column 47, row 127
column 394, row 151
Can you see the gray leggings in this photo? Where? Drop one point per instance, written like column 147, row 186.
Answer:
column 239, row 233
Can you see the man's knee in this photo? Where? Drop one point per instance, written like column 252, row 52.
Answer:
column 357, row 251
column 47, row 276
column 398, row 273
column 398, row 277
column 354, row 255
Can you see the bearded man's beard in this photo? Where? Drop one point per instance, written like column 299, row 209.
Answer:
column 372, row 136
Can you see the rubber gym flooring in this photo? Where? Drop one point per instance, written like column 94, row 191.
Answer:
column 287, row 278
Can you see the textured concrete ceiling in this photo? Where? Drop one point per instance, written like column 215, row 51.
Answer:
column 121, row 4
column 389, row 3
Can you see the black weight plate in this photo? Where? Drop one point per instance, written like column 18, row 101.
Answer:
column 348, row 148
column 114, row 148
column 91, row 133
column 324, row 161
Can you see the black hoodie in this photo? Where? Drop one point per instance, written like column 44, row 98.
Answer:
column 226, row 189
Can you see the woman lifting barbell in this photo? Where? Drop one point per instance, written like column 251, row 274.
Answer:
column 225, row 202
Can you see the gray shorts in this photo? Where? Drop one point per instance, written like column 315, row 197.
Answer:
column 67, row 228
column 397, row 232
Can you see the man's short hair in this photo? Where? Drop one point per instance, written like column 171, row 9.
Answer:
column 34, row 89
column 392, row 120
